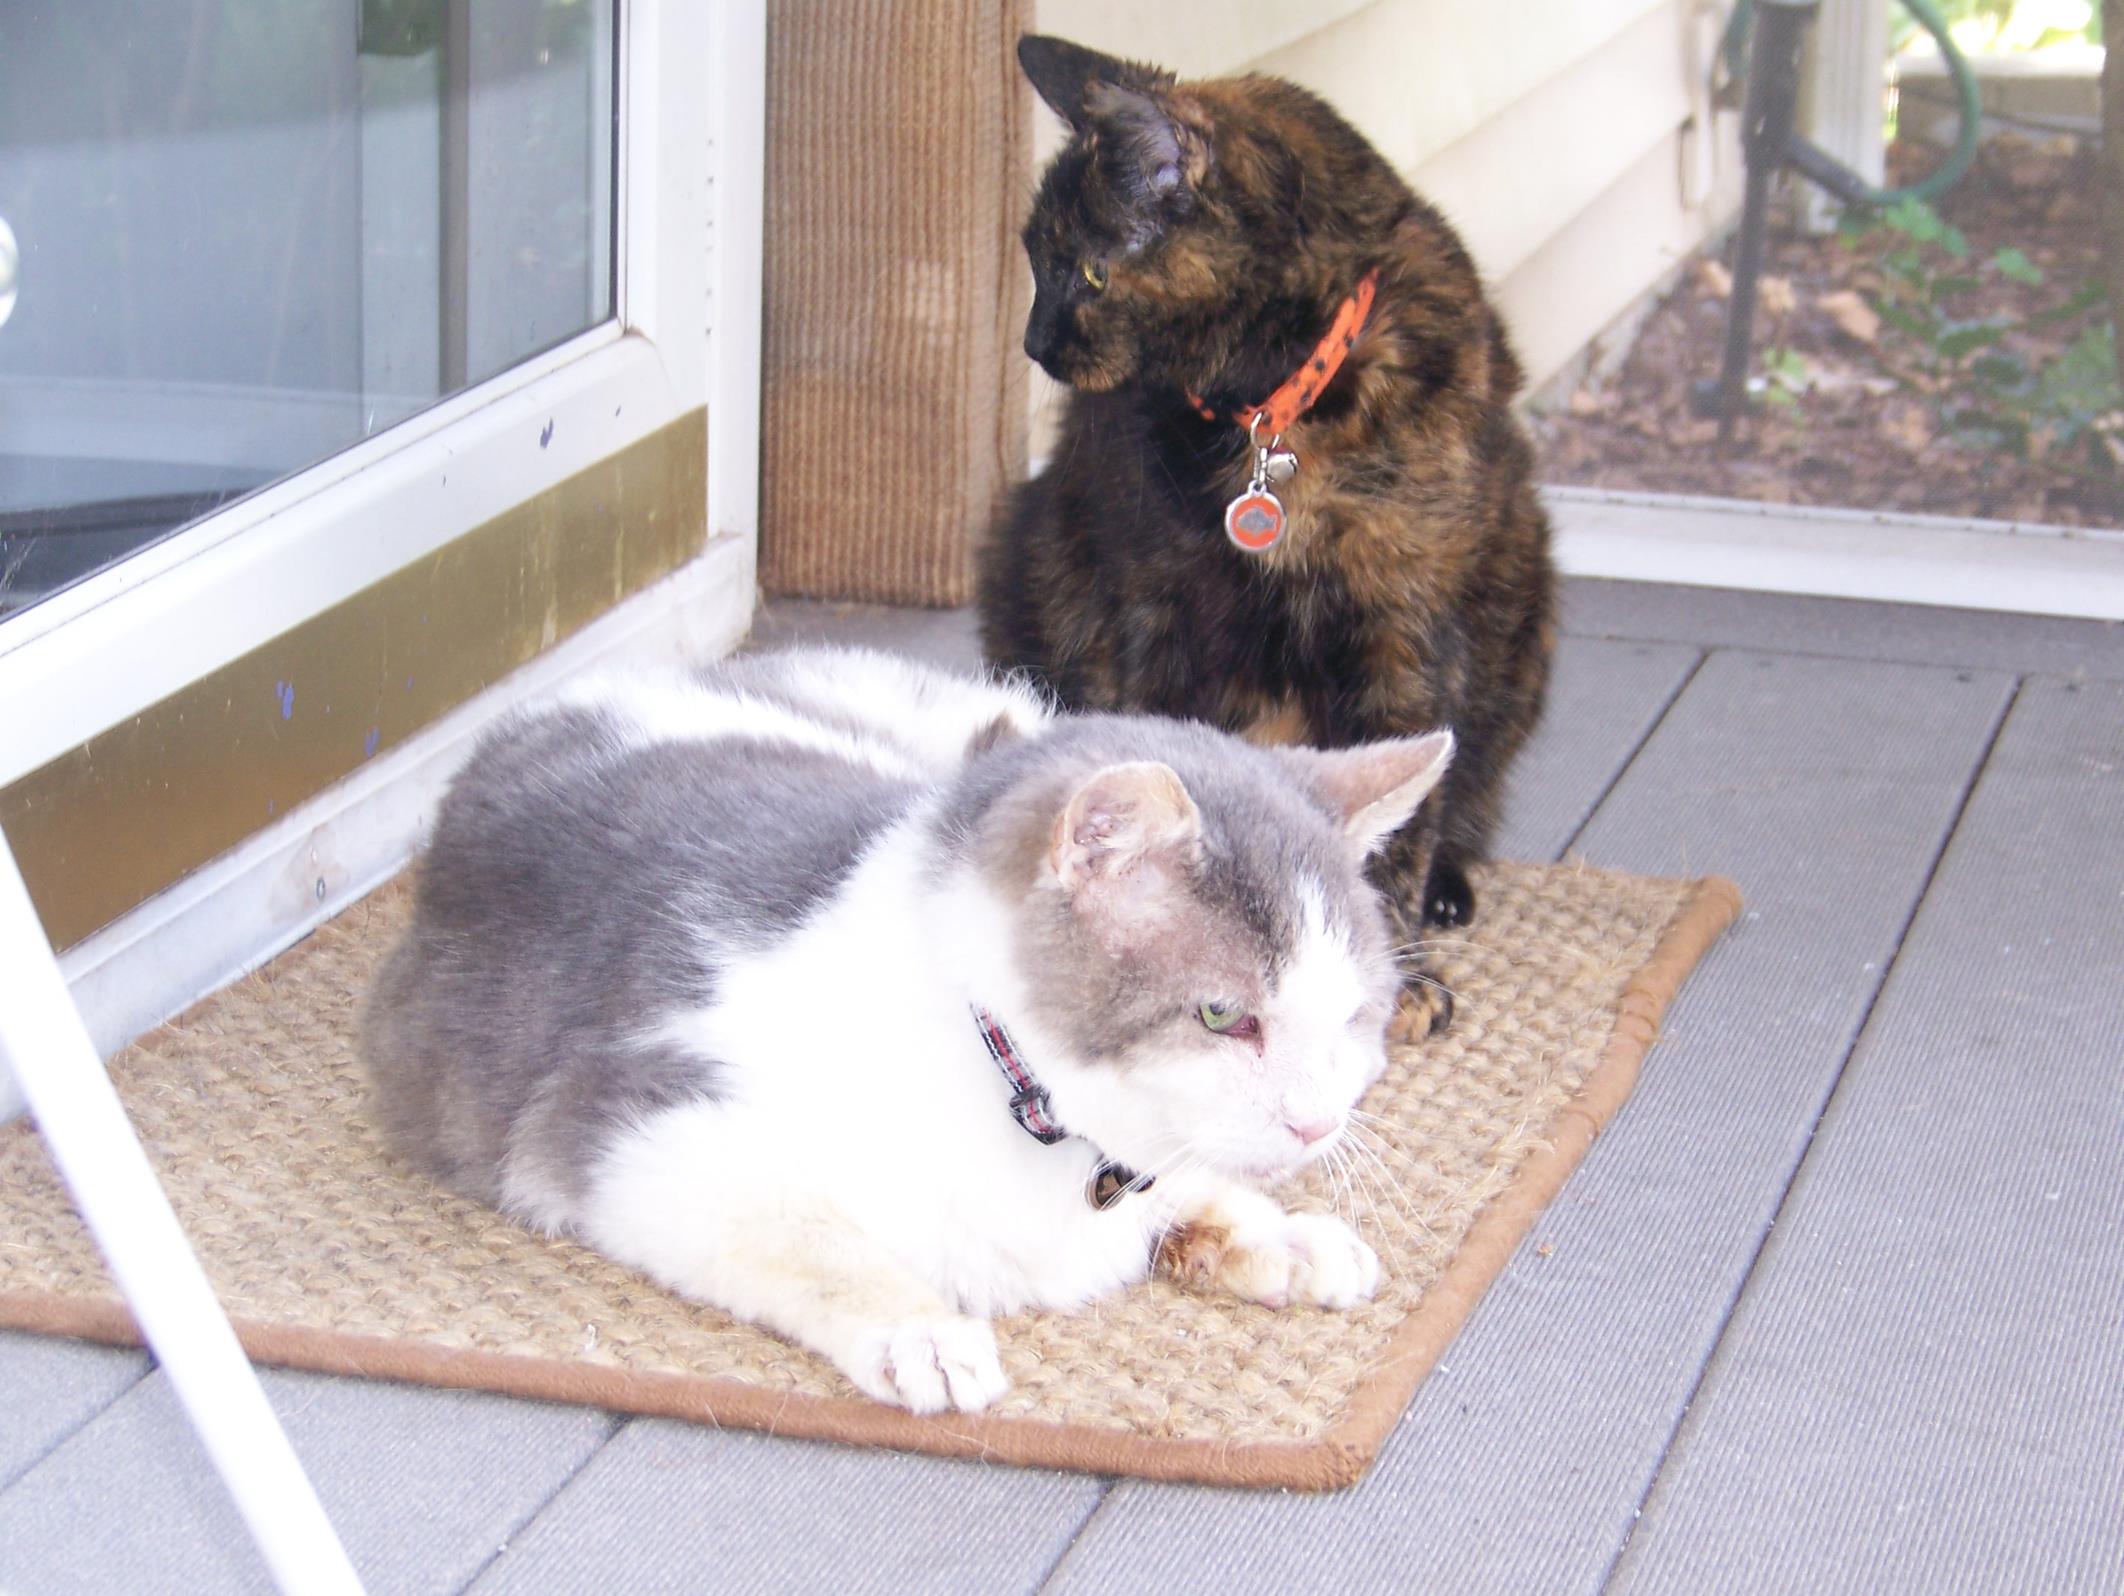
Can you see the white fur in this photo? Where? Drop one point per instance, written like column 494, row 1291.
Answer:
column 860, row 1185
column 902, row 1127
column 925, row 712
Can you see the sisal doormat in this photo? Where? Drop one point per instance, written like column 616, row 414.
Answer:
column 330, row 1256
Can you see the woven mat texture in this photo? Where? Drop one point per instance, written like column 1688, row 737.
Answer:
column 327, row 1253
column 894, row 410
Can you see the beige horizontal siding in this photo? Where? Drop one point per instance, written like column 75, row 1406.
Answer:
column 1418, row 75
column 1195, row 38
column 1597, row 265
column 1415, row 75
column 1519, row 176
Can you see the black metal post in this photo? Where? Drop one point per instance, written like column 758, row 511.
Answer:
column 1766, row 137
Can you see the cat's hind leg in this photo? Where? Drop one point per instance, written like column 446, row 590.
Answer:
column 1448, row 897
column 1466, row 817
column 742, row 1240
column 1402, row 873
column 816, row 1279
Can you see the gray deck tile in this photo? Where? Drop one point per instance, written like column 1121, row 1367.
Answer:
column 423, row 1485
column 1603, row 699
column 1923, row 1388
column 1850, row 628
column 1826, row 791
column 937, row 637
column 49, row 1388
column 673, row 1507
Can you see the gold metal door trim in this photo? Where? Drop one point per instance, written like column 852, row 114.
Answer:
column 110, row 823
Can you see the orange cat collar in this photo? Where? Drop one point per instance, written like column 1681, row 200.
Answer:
column 1296, row 396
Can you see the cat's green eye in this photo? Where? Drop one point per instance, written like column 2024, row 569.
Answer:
column 1095, row 273
column 1221, row 1017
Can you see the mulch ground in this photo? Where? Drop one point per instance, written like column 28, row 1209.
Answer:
column 1867, row 413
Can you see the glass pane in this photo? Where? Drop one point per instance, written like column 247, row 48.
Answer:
column 236, row 237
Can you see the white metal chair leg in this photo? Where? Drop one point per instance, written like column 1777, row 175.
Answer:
column 44, row 1043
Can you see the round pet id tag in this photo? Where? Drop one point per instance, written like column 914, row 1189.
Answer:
column 1254, row 520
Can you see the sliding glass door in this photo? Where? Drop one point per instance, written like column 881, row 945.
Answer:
column 241, row 237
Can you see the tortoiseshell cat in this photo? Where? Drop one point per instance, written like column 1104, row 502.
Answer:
column 1198, row 250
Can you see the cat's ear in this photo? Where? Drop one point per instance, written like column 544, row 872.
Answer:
column 1062, row 74
column 1141, row 144
column 1149, row 150
column 1121, row 819
column 1374, row 787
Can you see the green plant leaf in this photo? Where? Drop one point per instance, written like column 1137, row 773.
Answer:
column 2080, row 386
column 1999, row 370
column 1967, row 337
column 1907, row 264
column 2084, row 298
column 1913, row 216
column 2015, row 264
column 1905, row 320
column 1999, row 428
column 1942, row 287
column 1788, row 364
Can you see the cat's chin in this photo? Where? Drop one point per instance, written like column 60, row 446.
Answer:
column 1271, row 1171
column 1086, row 379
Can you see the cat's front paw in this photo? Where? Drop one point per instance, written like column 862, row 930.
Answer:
column 1425, row 1009
column 1307, row 1258
column 930, row 1365
column 1331, row 1267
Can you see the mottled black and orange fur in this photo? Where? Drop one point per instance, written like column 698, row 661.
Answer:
column 1412, row 589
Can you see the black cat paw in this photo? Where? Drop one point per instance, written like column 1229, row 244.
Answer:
column 1448, row 899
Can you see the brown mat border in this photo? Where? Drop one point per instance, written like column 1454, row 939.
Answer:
column 1334, row 1459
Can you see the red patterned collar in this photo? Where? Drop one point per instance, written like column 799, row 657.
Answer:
column 1110, row 1182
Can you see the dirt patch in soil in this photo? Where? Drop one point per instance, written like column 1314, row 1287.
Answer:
column 1866, row 418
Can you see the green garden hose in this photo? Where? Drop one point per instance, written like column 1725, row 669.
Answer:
column 1839, row 179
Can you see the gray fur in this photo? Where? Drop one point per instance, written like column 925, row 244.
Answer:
column 574, row 895
column 1263, row 833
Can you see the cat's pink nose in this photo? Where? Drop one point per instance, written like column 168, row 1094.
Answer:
column 1309, row 1131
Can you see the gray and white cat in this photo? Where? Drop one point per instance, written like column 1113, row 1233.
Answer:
column 866, row 1003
